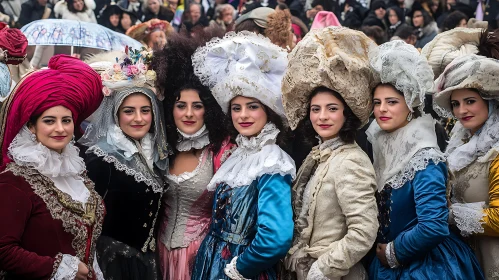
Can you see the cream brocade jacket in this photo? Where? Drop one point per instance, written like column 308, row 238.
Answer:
column 340, row 225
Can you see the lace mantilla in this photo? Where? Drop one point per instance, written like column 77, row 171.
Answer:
column 231, row 271
column 26, row 151
column 253, row 158
column 315, row 273
column 67, row 269
column 468, row 217
column 197, row 141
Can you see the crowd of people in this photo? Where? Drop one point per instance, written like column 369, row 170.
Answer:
column 307, row 140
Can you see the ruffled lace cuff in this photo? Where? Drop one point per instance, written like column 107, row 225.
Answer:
column 390, row 255
column 231, row 270
column 67, row 269
column 315, row 273
column 468, row 217
column 97, row 271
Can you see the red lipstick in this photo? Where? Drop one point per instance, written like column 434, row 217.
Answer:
column 246, row 124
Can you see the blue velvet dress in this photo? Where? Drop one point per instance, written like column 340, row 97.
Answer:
column 252, row 222
column 415, row 218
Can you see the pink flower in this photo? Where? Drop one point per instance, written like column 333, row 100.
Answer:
column 134, row 69
column 106, row 91
column 105, row 76
column 142, row 68
column 116, row 68
column 129, row 71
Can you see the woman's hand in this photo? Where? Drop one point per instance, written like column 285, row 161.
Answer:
column 380, row 253
column 82, row 273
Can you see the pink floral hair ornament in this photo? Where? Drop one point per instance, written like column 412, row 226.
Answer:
column 129, row 69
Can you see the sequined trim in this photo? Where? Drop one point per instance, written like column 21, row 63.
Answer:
column 391, row 258
column 61, row 206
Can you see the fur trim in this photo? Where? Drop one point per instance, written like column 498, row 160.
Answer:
column 430, row 28
column 279, row 29
column 61, row 10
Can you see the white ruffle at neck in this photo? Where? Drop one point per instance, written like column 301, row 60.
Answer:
column 63, row 169
column 116, row 138
column 482, row 146
column 254, row 157
column 197, row 141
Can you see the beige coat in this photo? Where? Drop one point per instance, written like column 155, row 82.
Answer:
column 341, row 225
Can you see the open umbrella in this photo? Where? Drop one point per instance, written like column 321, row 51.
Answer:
column 64, row 32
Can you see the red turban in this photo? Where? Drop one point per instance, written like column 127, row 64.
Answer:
column 68, row 82
column 14, row 43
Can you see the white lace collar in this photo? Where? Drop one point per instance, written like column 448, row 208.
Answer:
column 197, row 141
column 254, row 157
column 332, row 144
column 26, row 151
column 400, row 154
column 461, row 154
column 116, row 138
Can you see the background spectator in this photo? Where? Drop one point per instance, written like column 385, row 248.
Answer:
column 395, row 19
column 127, row 20
column 353, row 14
column 82, row 10
column 224, row 17
column 314, row 6
column 111, row 18
column 407, row 34
column 376, row 16
column 376, row 34
column 453, row 20
column 425, row 25
column 195, row 19
column 134, row 6
column 154, row 9
column 32, row 10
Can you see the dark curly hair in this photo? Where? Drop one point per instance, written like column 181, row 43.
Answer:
column 282, row 138
column 173, row 65
column 347, row 133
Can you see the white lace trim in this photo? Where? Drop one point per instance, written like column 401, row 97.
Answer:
column 253, row 158
column 231, row 271
column 197, row 141
column 460, row 154
column 138, row 176
column 116, row 138
column 333, row 144
column 68, row 268
column 418, row 162
column 468, row 217
column 395, row 160
column 26, row 151
column 391, row 258
column 98, row 272
column 315, row 273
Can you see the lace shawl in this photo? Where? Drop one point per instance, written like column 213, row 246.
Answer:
column 400, row 154
column 486, row 140
column 197, row 141
column 254, row 157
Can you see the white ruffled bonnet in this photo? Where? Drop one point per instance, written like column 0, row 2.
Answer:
column 242, row 64
column 400, row 64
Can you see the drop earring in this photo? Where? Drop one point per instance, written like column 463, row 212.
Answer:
column 409, row 117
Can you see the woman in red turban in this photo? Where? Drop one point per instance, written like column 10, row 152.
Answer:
column 50, row 215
